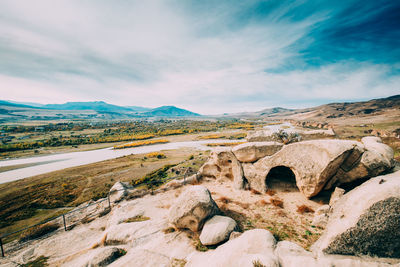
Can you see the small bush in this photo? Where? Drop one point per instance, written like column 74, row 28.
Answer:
column 271, row 192
column 38, row 231
column 255, row 192
column 304, row 209
column 224, row 200
column 277, row 202
column 200, row 246
column 191, row 157
column 157, row 155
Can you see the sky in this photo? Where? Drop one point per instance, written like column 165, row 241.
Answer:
column 210, row 57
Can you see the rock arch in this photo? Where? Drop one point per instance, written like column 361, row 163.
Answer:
column 281, row 177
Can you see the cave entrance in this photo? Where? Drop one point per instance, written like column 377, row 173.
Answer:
column 281, row 178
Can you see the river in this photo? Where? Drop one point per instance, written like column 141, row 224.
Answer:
column 45, row 164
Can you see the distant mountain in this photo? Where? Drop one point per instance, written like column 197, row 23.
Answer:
column 14, row 104
column 170, row 111
column 99, row 106
column 276, row 110
column 29, row 104
column 138, row 109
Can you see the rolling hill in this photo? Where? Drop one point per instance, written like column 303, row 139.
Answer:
column 170, row 111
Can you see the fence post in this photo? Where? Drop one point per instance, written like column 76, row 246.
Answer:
column 109, row 202
column 2, row 249
column 65, row 225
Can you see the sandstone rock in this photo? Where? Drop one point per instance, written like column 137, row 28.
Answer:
column 336, row 195
column 257, row 244
column 251, row 152
column 292, row 255
column 118, row 192
column 217, row 230
column 260, row 136
column 100, row 257
column 234, row 235
column 312, row 162
column 223, row 165
column 142, row 257
column 365, row 220
column 374, row 157
column 193, row 208
column 321, row 216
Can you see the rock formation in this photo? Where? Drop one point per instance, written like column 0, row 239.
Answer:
column 316, row 164
column 193, row 208
column 365, row 220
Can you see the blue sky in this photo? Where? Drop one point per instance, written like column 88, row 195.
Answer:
column 207, row 56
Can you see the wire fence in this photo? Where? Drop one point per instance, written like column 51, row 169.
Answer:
column 70, row 219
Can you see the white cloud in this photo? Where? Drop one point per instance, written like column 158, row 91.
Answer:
column 152, row 53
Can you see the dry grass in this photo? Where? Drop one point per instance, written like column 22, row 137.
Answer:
column 169, row 230
column 263, row 202
column 277, row 202
column 271, row 192
column 137, row 218
column 304, row 209
column 224, row 200
column 212, row 136
column 225, row 144
column 255, row 192
column 141, row 143
column 257, row 263
column 38, row 231
column 41, row 261
column 177, row 262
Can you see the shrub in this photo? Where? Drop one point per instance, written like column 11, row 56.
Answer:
column 257, row 263
column 304, row 208
column 38, row 231
column 255, row 192
column 271, row 192
column 157, row 155
column 141, row 143
column 169, row 230
column 285, row 137
column 277, row 202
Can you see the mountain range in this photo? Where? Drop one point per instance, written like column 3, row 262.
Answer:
column 12, row 110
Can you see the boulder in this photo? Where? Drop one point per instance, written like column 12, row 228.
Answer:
column 118, row 192
column 251, row 152
column 321, row 216
column 372, row 158
column 193, row 208
column 365, row 220
column 104, row 256
column 252, row 245
column 142, row 257
column 292, row 255
column 217, row 230
column 222, row 165
column 336, row 195
column 312, row 162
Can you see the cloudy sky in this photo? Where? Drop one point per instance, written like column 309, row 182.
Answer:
column 207, row 56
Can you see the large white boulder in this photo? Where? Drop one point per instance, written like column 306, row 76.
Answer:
column 251, row 152
column 365, row 220
column 217, row 230
column 118, row 192
column 222, row 165
column 193, row 208
column 252, row 245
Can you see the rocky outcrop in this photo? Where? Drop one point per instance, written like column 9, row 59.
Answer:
column 251, row 152
column 365, row 220
column 312, row 162
column 253, row 245
column 292, row 255
column 193, row 208
column 336, row 195
column 222, row 165
column 118, row 191
column 266, row 135
column 316, row 164
column 321, row 216
column 217, row 230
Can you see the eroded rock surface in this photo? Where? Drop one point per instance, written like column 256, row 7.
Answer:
column 217, row 230
column 222, row 165
column 193, row 208
column 366, row 220
column 253, row 151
